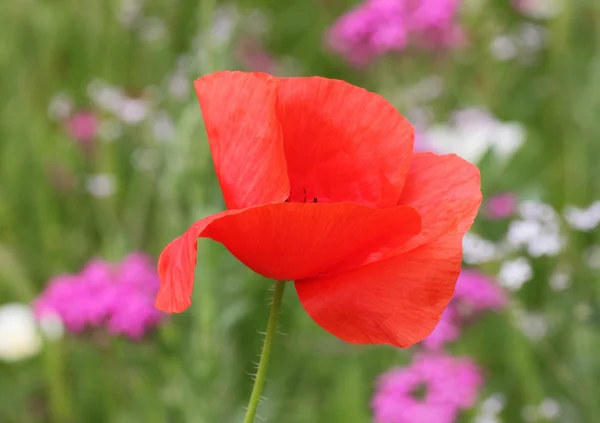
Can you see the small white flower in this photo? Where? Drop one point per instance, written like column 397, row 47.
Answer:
column 477, row 250
column 130, row 11
column 522, row 232
column 19, row 337
column 225, row 21
column 503, row 48
column 540, row 9
column 560, row 279
column 533, row 325
column 473, row 132
column 133, row 110
column 547, row 244
column 105, row 96
column 101, row 185
column 179, row 86
column 60, row 106
column 490, row 408
column 538, row 231
column 513, row 274
column 583, row 219
column 163, row 127
column 493, row 404
column 487, row 418
column 427, row 89
column 536, row 210
column 532, row 36
column 445, row 139
column 549, row 409
column 508, row 138
column 152, row 29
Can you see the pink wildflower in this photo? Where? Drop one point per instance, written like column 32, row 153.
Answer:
column 477, row 292
column 447, row 330
column 377, row 27
column 501, row 206
column 82, row 126
column 434, row 388
column 117, row 297
column 474, row 294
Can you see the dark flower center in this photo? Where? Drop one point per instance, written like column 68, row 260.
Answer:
column 304, row 198
column 419, row 391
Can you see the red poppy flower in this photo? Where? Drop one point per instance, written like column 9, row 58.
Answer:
column 322, row 188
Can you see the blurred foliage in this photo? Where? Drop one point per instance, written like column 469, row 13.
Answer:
column 195, row 367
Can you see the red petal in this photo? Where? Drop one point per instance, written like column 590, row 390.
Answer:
column 446, row 191
column 342, row 142
column 176, row 268
column 397, row 301
column 284, row 241
column 290, row 241
column 245, row 137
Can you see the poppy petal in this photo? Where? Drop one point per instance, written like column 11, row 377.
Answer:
column 245, row 137
column 176, row 268
column 290, row 241
column 342, row 143
column 446, row 191
column 396, row 301
column 284, row 241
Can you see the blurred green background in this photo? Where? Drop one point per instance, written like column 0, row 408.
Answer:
column 148, row 175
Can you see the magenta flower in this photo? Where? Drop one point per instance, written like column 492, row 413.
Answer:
column 377, row 27
column 474, row 293
column 501, row 206
column 434, row 388
column 447, row 330
column 117, row 297
column 82, row 126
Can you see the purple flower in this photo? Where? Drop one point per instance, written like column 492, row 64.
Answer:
column 474, row 293
column 119, row 297
column 447, row 330
column 434, row 388
column 83, row 126
column 377, row 27
column 501, row 206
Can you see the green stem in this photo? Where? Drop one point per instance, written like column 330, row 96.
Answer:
column 261, row 373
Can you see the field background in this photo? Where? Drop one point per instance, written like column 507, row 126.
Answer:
column 194, row 368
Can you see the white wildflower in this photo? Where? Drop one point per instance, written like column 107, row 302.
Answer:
column 20, row 338
column 473, row 132
column 549, row 409
column 152, row 29
column 101, row 185
column 163, row 127
column 560, row 279
column 583, row 219
column 540, row 9
column 477, row 250
column 514, row 273
column 503, row 48
column 60, row 106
